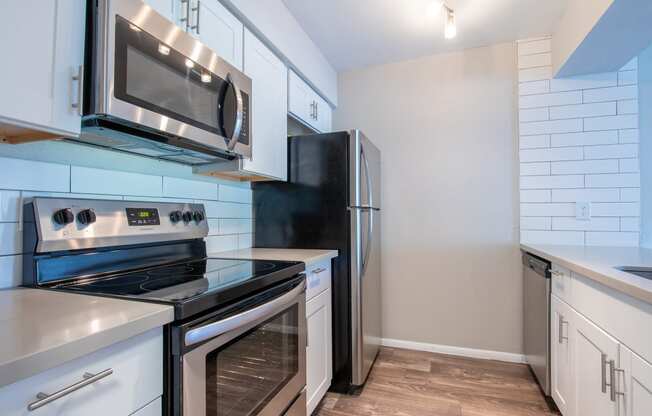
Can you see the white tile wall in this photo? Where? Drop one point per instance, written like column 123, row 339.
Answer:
column 578, row 143
column 228, row 208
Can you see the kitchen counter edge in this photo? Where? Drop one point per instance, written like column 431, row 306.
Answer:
column 308, row 256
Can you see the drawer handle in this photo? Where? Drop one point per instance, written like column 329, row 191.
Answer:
column 319, row 270
column 556, row 273
column 89, row 378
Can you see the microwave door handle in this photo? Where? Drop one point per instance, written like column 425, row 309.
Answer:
column 238, row 113
column 212, row 330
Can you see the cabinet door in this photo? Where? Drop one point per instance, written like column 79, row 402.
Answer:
column 269, row 109
column 324, row 114
column 319, row 351
column 592, row 351
column 300, row 100
column 42, row 43
column 561, row 356
column 163, row 7
column 633, row 384
column 218, row 29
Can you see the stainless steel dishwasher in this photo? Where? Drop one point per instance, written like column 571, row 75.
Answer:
column 536, row 318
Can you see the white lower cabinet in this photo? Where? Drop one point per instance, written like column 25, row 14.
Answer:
column 133, row 385
column 154, row 408
column 319, row 356
column 593, row 373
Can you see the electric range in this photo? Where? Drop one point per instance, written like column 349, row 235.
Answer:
column 237, row 344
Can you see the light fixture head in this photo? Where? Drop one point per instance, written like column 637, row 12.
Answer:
column 163, row 49
column 206, row 78
column 450, row 28
column 189, row 63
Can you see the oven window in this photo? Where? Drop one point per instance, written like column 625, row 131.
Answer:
column 154, row 76
column 243, row 376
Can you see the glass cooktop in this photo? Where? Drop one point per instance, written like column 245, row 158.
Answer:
column 210, row 281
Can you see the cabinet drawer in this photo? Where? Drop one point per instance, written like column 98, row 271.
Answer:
column 318, row 278
column 561, row 282
column 136, row 380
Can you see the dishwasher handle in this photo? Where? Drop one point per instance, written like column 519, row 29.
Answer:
column 539, row 266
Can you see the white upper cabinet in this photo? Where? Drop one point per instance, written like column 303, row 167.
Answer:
column 268, row 110
column 218, row 29
column 43, row 48
column 163, row 7
column 307, row 106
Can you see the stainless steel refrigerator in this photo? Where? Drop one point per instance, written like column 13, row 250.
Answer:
column 332, row 201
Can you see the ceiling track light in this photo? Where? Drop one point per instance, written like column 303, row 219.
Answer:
column 450, row 27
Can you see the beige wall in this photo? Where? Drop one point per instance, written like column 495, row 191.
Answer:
column 446, row 127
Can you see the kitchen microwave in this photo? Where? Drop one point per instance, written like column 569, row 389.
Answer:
column 151, row 88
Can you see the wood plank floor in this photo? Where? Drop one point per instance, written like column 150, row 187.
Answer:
column 414, row 383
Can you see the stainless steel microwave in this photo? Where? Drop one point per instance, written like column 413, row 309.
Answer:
column 151, row 88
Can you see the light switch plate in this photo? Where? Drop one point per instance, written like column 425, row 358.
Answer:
column 583, row 211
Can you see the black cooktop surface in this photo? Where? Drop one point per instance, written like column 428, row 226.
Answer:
column 193, row 286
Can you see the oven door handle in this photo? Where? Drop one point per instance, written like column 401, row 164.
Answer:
column 197, row 335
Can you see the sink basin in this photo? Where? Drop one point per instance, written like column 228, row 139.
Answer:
column 644, row 272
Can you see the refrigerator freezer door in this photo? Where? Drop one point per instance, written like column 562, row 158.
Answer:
column 365, row 171
column 365, row 291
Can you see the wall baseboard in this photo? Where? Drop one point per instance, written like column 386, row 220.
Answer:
column 450, row 350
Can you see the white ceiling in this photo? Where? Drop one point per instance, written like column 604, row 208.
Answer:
column 358, row 33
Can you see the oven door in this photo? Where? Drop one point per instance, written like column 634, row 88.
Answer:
column 156, row 75
column 250, row 363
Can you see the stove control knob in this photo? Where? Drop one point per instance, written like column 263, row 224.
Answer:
column 198, row 216
column 187, row 216
column 175, row 216
column 63, row 216
column 86, row 216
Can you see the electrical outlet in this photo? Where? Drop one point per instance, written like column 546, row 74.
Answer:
column 583, row 211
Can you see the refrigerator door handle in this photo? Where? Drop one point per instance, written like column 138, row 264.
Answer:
column 370, row 194
column 370, row 236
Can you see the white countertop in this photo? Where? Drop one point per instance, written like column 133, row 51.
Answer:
column 598, row 263
column 287, row 254
column 41, row 329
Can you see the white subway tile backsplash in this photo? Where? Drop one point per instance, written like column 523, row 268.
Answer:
column 545, row 209
column 594, row 224
column 583, row 110
column 626, row 121
column 218, row 209
column 532, row 47
column 629, row 165
column 573, row 238
column 632, row 224
column 102, row 181
column 234, row 194
column 19, row 174
column 534, row 87
column 536, row 223
column 615, row 209
column 584, row 166
column 536, row 60
column 620, row 180
column 628, row 136
column 621, row 239
column 10, row 271
column 535, row 195
column 235, row 226
column 9, row 206
column 631, row 65
column 627, row 77
column 584, row 138
column 534, row 142
column 612, row 151
column 537, row 168
column 186, row 188
column 589, row 195
column 213, row 226
column 552, row 182
column 630, row 195
column 607, row 79
column 629, row 92
column 245, row 241
column 10, row 238
column 547, row 155
column 555, row 98
column 628, row 107
column 550, row 127
column 533, row 114
column 218, row 243
column 534, row 74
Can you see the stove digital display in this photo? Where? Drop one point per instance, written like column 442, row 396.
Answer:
column 143, row 216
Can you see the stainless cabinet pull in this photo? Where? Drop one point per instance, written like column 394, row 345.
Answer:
column 185, row 18
column 316, row 110
column 556, row 273
column 79, row 78
column 612, row 380
column 312, row 110
column 89, row 378
column 319, row 270
column 561, row 329
column 196, row 9
column 604, row 373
